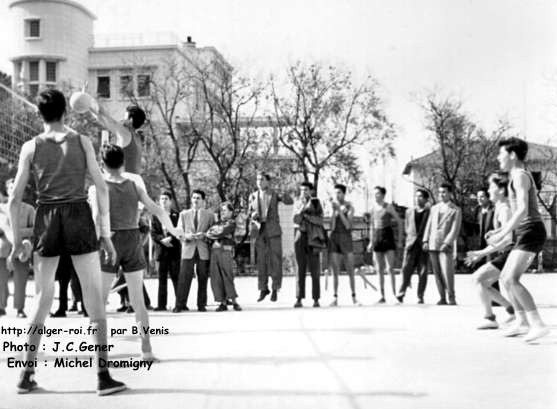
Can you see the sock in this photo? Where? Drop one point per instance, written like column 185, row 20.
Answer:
column 521, row 318
column 99, row 338
column 534, row 318
column 103, row 375
column 510, row 310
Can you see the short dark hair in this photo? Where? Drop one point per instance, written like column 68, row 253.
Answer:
column 424, row 193
column 381, row 189
column 199, row 192
column 52, row 105
column 265, row 175
column 341, row 187
column 501, row 179
column 516, row 145
column 309, row 185
column 166, row 193
column 112, row 156
column 137, row 115
column 447, row 186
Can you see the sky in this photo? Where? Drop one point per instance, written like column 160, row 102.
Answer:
column 498, row 56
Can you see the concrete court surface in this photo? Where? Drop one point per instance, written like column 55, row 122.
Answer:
column 273, row 356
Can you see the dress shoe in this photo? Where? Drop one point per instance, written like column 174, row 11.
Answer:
column 452, row 302
column 201, row 309
column 442, row 301
column 58, row 314
column 130, row 310
column 298, row 303
column 149, row 307
column 274, row 295
column 236, row 307
column 420, row 300
column 400, row 298
column 160, row 309
column 21, row 314
column 221, row 307
column 123, row 308
column 73, row 308
column 2, row 311
column 177, row 309
column 263, row 294
column 316, row 304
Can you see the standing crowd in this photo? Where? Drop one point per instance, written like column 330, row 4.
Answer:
column 72, row 226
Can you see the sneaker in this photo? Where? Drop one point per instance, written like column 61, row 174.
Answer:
column 298, row 303
column 27, row 383
column 334, row 303
column 236, row 307
column 535, row 333
column 108, row 386
column 221, row 307
column 516, row 330
column 509, row 319
column 488, row 324
column 316, row 304
column 21, row 314
column 118, row 283
column 148, row 356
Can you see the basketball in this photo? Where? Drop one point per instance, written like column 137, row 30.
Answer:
column 81, row 102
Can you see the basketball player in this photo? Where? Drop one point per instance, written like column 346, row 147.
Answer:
column 529, row 230
column 124, row 196
column 60, row 160
column 490, row 272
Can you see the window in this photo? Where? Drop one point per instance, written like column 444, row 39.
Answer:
column 33, row 90
column 33, row 70
column 143, row 85
column 50, row 71
column 103, row 86
column 33, row 28
column 126, row 85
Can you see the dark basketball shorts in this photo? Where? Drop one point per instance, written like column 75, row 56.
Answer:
column 499, row 261
column 129, row 252
column 384, row 240
column 530, row 237
column 340, row 243
column 64, row 229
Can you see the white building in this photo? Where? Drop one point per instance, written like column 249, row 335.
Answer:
column 54, row 45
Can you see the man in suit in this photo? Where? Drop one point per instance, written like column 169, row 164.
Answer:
column 440, row 237
column 169, row 251
column 265, row 223
column 415, row 258
column 195, row 252
column 484, row 216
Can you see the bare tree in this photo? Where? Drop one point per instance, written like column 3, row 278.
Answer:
column 323, row 116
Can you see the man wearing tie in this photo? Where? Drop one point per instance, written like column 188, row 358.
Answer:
column 263, row 210
column 195, row 252
column 169, row 251
column 440, row 238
